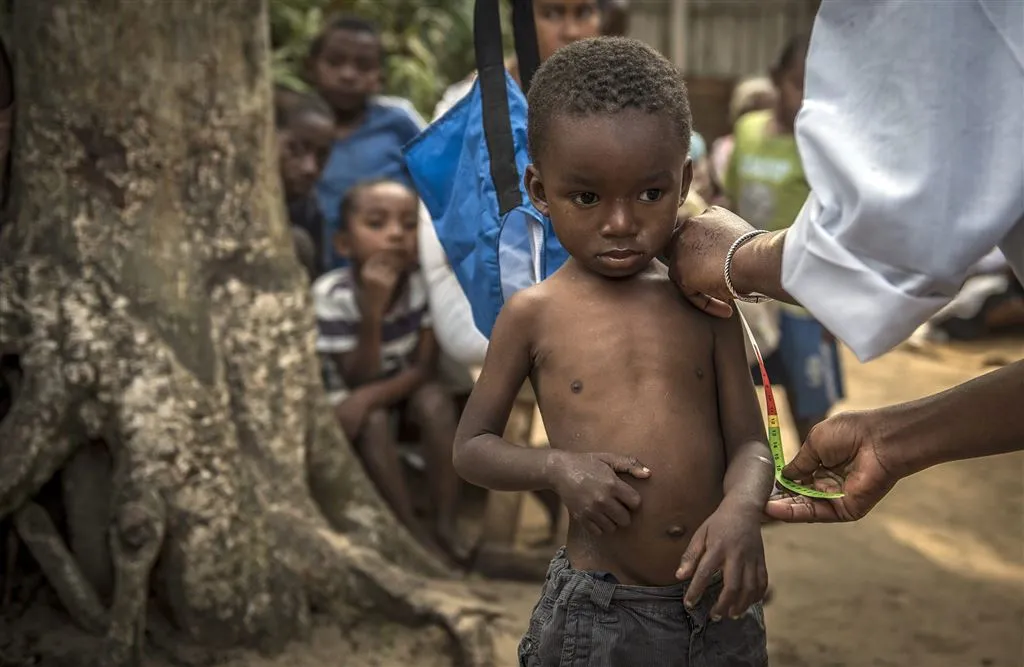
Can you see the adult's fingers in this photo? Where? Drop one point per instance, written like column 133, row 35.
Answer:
column 803, row 510
column 804, row 464
column 709, row 304
column 626, row 464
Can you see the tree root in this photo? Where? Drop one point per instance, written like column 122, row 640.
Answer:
column 352, row 583
column 60, row 568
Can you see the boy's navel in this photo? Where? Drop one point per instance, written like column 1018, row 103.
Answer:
column 576, row 387
column 700, row 374
column 676, row 532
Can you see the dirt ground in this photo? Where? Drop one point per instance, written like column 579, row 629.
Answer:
column 934, row 577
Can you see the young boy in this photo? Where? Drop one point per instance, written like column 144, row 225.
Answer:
column 374, row 323
column 344, row 66
column 657, row 444
column 305, row 132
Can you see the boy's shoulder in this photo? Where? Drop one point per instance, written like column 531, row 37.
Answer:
column 523, row 307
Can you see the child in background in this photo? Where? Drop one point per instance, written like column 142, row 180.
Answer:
column 344, row 66
column 753, row 94
column 373, row 321
column 657, row 444
column 305, row 132
column 766, row 184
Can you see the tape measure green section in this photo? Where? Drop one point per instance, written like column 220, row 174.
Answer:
column 775, row 433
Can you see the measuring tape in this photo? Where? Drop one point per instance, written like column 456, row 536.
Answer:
column 775, row 433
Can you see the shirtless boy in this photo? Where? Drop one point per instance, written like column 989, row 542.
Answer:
column 657, row 444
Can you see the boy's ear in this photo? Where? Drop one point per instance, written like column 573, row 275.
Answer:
column 535, row 188
column 687, row 179
column 342, row 246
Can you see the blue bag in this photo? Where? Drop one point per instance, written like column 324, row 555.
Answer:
column 467, row 167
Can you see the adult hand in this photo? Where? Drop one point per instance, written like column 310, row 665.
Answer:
column 846, row 446
column 697, row 258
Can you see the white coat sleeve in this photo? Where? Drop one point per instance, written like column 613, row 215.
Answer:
column 912, row 139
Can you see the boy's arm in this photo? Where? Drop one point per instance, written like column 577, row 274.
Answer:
column 750, row 473
column 386, row 392
column 730, row 539
column 481, row 455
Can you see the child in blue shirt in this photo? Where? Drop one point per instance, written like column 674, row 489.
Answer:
column 344, row 66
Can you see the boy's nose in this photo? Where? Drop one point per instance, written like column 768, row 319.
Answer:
column 619, row 223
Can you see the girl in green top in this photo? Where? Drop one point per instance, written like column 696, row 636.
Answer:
column 765, row 184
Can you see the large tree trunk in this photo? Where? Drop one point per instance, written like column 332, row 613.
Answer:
column 150, row 288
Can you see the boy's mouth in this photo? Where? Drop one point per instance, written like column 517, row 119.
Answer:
column 620, row 254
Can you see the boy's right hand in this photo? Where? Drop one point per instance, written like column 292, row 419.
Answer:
column 593, row 492
column 379, row 276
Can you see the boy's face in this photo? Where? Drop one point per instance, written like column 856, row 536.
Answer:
column 562, row 22
column 611, row 184
column 383, row 218
column 790, row 84
column 303, row 149
column 347, row 70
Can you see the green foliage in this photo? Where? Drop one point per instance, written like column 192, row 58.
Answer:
column 429, row 42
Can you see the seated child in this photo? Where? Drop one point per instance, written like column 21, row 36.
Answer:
column 374, row 324
column 657, row 444
column 305, row 133
column 345, row 66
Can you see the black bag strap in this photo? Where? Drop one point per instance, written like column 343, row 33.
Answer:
column 490, row 65
column 524, row 31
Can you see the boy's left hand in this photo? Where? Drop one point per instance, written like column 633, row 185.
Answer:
column 730, row 541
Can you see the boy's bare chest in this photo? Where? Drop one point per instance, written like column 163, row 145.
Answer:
column 647, row 342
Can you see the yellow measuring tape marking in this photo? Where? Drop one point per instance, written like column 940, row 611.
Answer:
column 774, row 432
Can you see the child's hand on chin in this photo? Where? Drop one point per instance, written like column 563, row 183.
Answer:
column 730, row 541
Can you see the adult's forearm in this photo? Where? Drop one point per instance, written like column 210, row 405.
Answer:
column 757, row 267
column 982, row 417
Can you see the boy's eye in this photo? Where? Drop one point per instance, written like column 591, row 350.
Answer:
column 651, row 195
column 584, row 199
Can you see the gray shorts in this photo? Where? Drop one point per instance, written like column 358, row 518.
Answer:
column 585, row 619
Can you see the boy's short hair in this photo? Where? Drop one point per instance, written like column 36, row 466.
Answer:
column 348, row 202
column 605, row 75
column 289, row 104
column 345, row 22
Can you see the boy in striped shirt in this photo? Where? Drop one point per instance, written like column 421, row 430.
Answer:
column 374, row 325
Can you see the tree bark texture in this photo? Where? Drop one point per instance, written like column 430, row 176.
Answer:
column 166, row 337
